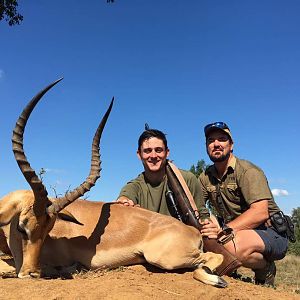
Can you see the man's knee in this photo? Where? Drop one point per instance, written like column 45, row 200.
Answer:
column 244, row 246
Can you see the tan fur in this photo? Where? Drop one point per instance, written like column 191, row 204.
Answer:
column 111, row 235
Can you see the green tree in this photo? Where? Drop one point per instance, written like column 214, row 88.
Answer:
column 296, row 217
column 199, row 167
column 8, row 12
column 294, row 248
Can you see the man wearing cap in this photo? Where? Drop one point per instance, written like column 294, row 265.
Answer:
column 238, row 193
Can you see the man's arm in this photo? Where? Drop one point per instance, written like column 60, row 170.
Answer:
column 257, row 214
column 129, row 194
column 255, row 189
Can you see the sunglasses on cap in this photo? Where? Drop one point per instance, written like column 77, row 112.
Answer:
column 220, row 125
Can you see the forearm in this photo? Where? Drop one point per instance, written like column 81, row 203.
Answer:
column 256, row 215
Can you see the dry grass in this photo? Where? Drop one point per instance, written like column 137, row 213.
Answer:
column 83, row 273
column 288, row 273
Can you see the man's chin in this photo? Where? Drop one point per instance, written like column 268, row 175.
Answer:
column 219, row 158
column 155, row 169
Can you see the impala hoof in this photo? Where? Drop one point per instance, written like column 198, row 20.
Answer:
column 29, row 275
column 221, row 283
column 11, row 274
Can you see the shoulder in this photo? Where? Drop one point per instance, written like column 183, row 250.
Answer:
column 187, row 175
column 243, row 166
column 133, row 187
column 249, row 174
column 139, row 180
column 207, row 173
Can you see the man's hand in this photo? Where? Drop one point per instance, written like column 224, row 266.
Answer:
column 210, row 229
column 125, row 201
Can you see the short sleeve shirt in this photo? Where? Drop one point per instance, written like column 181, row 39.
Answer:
column 154, row 197
column 242, row 184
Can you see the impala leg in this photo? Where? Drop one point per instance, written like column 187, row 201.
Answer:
column 208, row 263
column 211, row 260
column 6, row 268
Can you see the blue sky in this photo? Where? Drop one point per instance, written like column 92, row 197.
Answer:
column 176, row 65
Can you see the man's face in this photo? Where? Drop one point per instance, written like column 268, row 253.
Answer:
column 153, row 154
column 218, row 146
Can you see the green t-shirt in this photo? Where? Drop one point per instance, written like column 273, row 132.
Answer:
column 154, row 197
column 242, row 184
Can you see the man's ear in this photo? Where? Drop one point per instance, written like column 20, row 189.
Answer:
column 168, row 152
column 138, row 153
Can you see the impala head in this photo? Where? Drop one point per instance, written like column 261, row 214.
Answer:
column 31, row 214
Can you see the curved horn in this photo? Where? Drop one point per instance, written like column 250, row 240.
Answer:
column 39, row 190
column 90, row 181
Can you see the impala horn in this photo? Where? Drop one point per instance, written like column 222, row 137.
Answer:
column 95, row 169
column 39, row 190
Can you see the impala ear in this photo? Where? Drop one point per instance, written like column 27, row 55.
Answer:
column 67, row 216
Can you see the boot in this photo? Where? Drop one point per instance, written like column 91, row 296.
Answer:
column 266, row 276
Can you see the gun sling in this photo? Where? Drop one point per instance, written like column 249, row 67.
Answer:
column 190, row 216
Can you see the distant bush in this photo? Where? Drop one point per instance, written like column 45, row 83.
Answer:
column 294, row 248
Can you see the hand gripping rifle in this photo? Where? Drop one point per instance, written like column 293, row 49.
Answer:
column 187, row 212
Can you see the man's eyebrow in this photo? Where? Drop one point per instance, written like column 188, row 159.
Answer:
column 155, row 148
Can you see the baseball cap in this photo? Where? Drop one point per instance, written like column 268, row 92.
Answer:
column 217, row 125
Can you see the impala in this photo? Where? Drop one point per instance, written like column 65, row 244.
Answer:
column 42, row 233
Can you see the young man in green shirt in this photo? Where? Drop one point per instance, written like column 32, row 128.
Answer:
column 149, row 189
column 239, row 194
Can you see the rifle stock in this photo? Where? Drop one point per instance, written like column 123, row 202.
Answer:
column 192, row 217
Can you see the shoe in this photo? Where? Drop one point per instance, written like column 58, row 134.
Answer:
column 235, row 275
column 266, row 276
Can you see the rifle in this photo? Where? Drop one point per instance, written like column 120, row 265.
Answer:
column 191, row 217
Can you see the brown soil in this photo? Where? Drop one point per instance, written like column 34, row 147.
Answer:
column 137, row 282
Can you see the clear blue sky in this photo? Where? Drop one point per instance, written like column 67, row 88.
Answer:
column 176, row 65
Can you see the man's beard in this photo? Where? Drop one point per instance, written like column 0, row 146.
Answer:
column 221, row 158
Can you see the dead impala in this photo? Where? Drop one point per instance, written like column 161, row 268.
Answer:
column 40, row 232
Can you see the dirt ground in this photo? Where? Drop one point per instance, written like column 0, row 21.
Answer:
column 136, row 282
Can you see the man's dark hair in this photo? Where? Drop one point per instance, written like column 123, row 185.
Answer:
column 149, row 133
